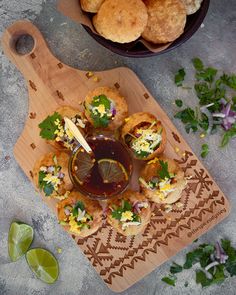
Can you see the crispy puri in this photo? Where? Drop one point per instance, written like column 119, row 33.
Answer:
column 144, row 214
column 91, row 5
column 91, row 207
column 192, row 6
column 121, row 21
column 47, row 161
column 67, row 111
column 166, row 20
column 179, row 181
column 117, row 99
column 139, row 119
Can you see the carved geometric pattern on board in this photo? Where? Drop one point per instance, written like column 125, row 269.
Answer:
column 113, row 254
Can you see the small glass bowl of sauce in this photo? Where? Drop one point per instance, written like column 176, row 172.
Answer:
column 103, row 174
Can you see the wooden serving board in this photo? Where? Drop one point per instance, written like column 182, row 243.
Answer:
column 120, row 261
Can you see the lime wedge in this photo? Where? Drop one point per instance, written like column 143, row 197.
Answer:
column 43, row 264
column 112, row 171
column 20, row 238
column 83, row 166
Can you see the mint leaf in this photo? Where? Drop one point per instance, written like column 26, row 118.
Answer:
column 198, row 64
column 205, row 150
column 179, row 103
column 171, row 280
column 179, row 77
column 175, row 268
column 48, row 126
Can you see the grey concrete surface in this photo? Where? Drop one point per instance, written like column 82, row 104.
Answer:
column 215, row 43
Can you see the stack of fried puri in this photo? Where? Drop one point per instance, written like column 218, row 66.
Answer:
column 157, row 21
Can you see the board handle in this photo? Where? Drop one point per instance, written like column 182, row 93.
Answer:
column 39, row 52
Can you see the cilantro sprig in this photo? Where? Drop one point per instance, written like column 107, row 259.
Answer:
column 211, row 89
column 179, row 77
column 98, row 120
column 205, row 150
column 211, row 269
column 48, row 126
column 47, row 188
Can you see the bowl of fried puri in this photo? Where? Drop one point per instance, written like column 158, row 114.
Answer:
column 141, row 28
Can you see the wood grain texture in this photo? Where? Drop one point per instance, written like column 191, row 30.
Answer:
column 120, row 261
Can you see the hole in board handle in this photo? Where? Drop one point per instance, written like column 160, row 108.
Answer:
column 24, row 44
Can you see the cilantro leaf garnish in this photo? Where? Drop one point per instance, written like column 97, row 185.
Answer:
column 170, row 280
column 141, row 154
column 179, row 77
column 189, row 118
column 43, row 185
column 97, row 119
column 179, row 103
column 231, row 133
column 213, row 99
column 125, row 206
column 229, row 80
column 78, row 205
column 213, row 269
column 48, row 189
column 197, row 255
column 217, row 277
column 231, row 252
column 175, row 268
column 198, row 64
column 48, row 126
column 101, row 99
column 207, row 75
column 205, row 150
column 163, row 173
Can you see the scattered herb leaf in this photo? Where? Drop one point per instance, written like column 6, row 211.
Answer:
column 186, row 284
column 229, row 134
column 205, row 150
column 170, row 280
column 175, row 268
column 210, row 116
column 198, row 64
column 179, row 77
column 179, row 103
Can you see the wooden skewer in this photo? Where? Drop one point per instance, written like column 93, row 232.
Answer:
column 77, row 134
